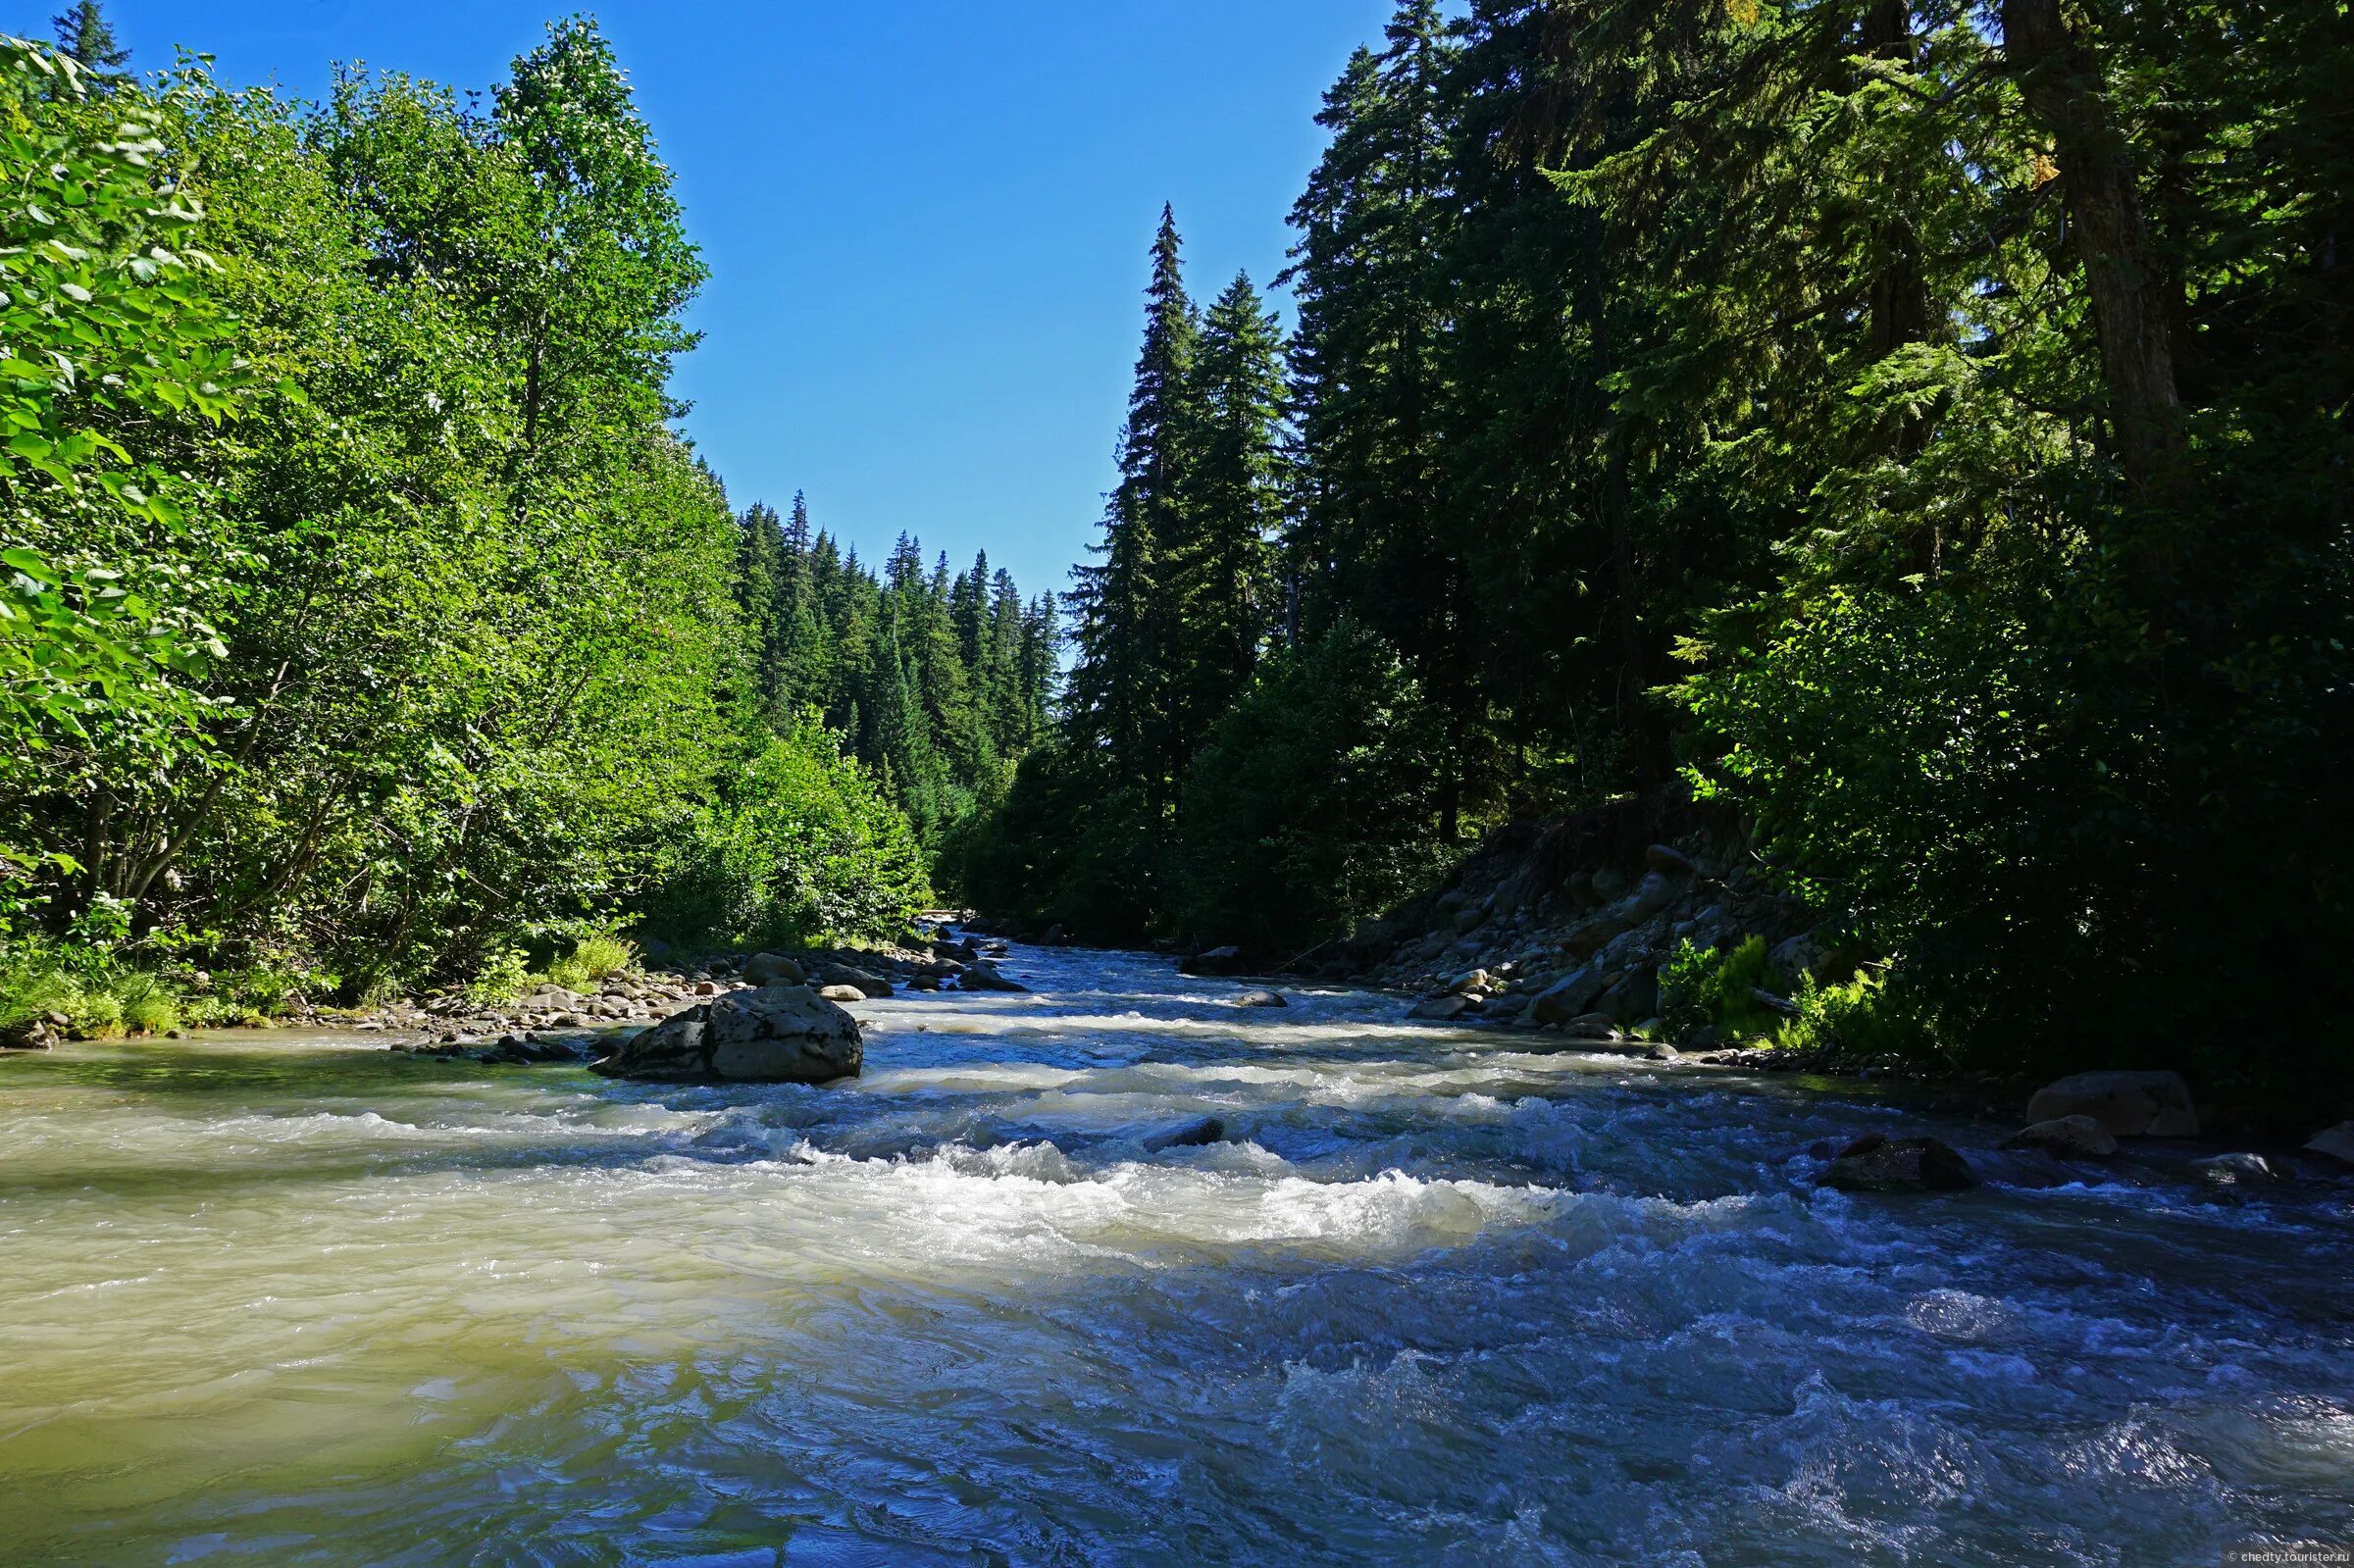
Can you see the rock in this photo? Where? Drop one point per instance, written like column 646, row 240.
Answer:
column 866, row 984
column 2069, row 1137
column 1573, row 994
column 1214, row 961
column 1186, row 1135
column 1261, row 999
column 2128, row 1104
column 2234, row 1170
column 1439, row 1009
column 1670, row 861
column 979, row 976
column 1470, row 981
column 1877, row 1163
column 1609, row 882
column 1470, row 917
column 1591, row 1026
column 704, row 987
column 1635, row 996
column 1056, row 937
column 774, row 1034
column 2338, row 1143
column 841, row 993
column 573, row 1021
column 773, row 969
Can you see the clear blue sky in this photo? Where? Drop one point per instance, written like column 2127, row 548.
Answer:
column 925, row 220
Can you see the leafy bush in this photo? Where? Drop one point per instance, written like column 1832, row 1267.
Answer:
column 592, row 958
column 803, row 846
column 504, row 974
column 1702, row 986
column 1868, row 1015
column 149, row 1007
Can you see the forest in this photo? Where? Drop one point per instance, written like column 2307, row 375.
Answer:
column 1920, row 426
column 1915, row 425
column 367, row 623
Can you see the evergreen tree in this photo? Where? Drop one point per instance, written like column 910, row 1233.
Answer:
column 84, row 34
column 1122, row 684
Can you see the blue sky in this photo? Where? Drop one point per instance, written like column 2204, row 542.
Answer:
column 927, row 220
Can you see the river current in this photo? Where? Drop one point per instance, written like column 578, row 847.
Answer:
column 1440, row 1298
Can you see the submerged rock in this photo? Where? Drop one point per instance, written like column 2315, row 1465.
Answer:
column 2234, row 1170
column 1196, row 1133
column 1261, row 999
column 2128, row 1104
column 1440, row 1009
column 1879, row 1163
column 775, row 1034
column 2070, row 1137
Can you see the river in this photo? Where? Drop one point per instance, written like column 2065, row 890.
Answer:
column 1440, row 1299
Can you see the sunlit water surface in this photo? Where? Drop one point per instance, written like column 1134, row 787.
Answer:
column 1442, row 1299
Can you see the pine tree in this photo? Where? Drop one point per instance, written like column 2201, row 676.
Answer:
column 1121, row 687
column 84, row 34
column 1221, row 591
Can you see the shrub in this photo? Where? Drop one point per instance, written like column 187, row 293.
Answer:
column 594, row 957
column 1700, row 986
column 505, row 976
column 1866, row 1014
column 149, row 1007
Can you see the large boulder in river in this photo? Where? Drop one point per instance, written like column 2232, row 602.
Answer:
column 775, row 1034
column 865, row 983
column 1879, row 1163
column 2081, row 1138
column 2338, row 1143
column 1571, row 996
column 1214, row 961
column 980, row 975
column 2128, row 1104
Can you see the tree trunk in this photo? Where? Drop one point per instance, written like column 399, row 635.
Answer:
column 2060, row 77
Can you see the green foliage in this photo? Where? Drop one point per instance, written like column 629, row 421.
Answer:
column 1703, row 986
column 1867, row 1016
column 804, row 846
column 502, row 975
column 593, row 958
column 1309, row 808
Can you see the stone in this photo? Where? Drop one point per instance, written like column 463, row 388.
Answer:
column 1635, row 996
column 2234, row 1170
column 981, row 976
column 704, row 987
column 1197, row 1133
column 1670, row 861
column 1609, row 882
column 2076, row 1137
column 1440, row 1009
column 867, row 984
column 773, row 969
column 1573, row 994
column 841, row 993
column 1261, row 999
column 2129, row 1104
column 1056, row 937
column 772, row 1034
column 1591, row 1026
column 1214, row 961
column 1470, row 917
column 2337, row 1144
column 1879, row 1163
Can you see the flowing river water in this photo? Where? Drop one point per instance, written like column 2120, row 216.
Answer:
column 1439, row 1298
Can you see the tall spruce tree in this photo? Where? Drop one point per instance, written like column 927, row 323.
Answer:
column 84, row 34
column 1121, row 685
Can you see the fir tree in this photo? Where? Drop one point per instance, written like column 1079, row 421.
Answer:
column 84, row 34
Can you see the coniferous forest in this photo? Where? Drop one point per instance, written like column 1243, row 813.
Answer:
column 1920, row 427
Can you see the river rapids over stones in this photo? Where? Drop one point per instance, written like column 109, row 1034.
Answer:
column 1430, row 1297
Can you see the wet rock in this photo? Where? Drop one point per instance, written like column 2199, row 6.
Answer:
column 1573, row 994
column 2234, row 1170
column 773, row 1035
column 2128, row 1104
column 704, row 987
column 2069, row 1137
column 867, row 984
column 1214, row 961
column 1440, row 1009
column 1635, row 996
column 1591, row 1026
column 841, row 993
column 773, row 969
column 1261, row 999
column 1879, row 1163
column 985, row 976
column 1056, row 937
column 1196, row 1133
column 2337, row 1144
